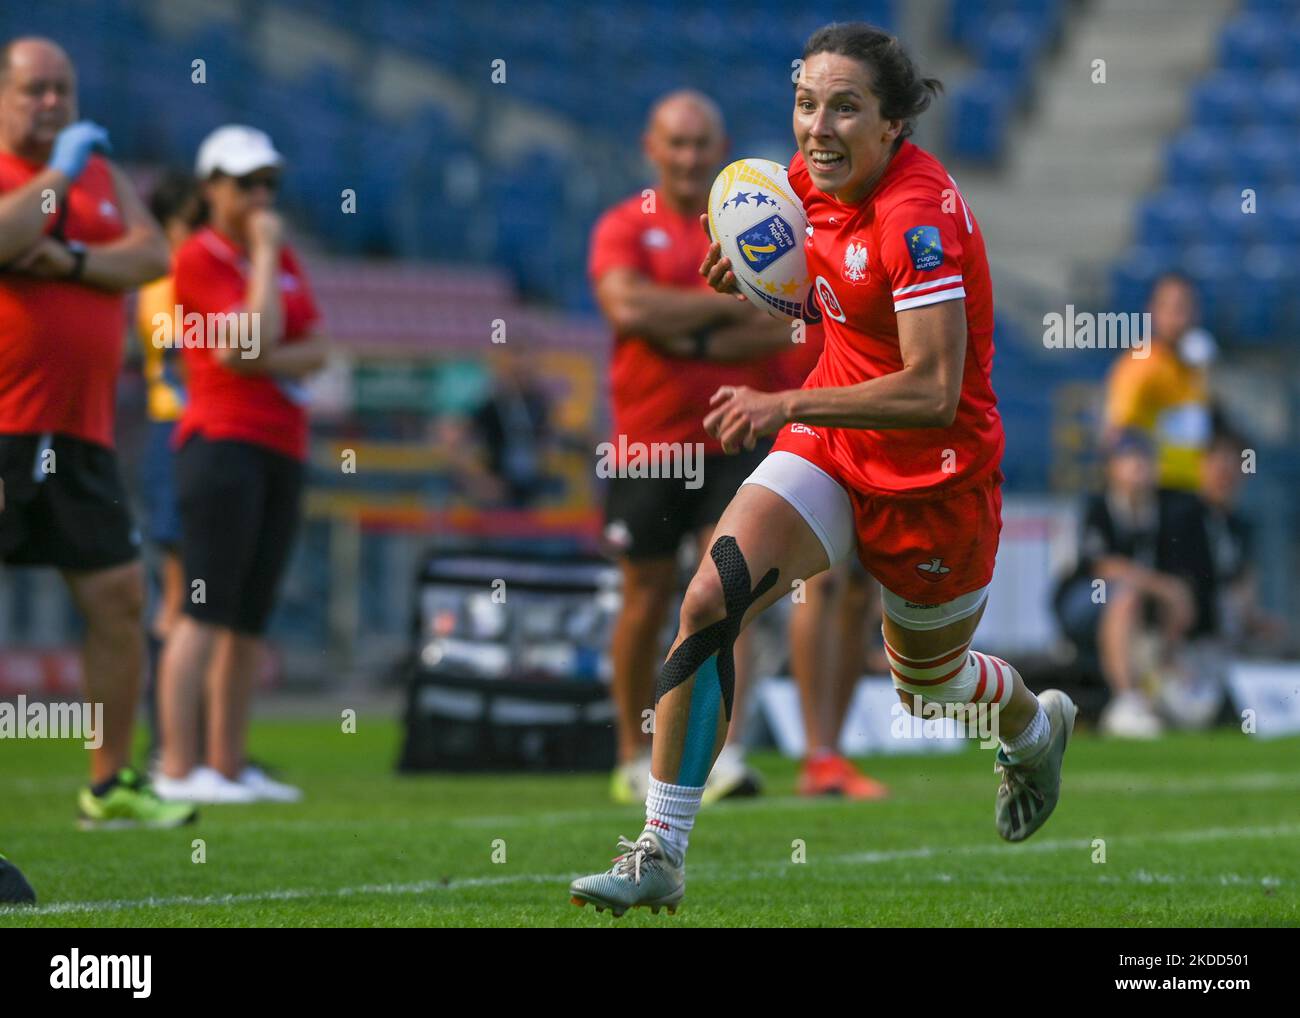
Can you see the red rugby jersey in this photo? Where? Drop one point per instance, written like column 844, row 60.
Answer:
column 61, row 342
column 655, row 397
column 793, row 366
column 911, row 242
column 210, row 276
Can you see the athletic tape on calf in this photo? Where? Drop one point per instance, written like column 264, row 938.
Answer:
column 719, row 637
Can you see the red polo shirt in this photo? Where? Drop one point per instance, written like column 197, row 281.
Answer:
column 211, row 277
column 61, row 342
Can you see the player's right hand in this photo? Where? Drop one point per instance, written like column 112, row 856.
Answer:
column 73, row 146
column 716, row 269
column 265, row 228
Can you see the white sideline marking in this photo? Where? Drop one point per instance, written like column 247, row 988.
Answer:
column 426, row 886
column 1246, row 781
column 418, row 887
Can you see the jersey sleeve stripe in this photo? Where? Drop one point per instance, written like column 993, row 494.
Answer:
column 929, row 298
column 926, row 285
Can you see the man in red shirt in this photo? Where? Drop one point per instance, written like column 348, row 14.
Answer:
column 890, row 450
column 675, row 342
column 73, row 238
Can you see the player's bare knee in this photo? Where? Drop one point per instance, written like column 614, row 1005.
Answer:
column 704, row 602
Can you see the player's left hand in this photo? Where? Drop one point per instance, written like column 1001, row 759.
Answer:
column 741, row 416
column 46, row 259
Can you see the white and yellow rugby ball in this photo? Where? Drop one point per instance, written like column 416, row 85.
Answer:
column 758, row 219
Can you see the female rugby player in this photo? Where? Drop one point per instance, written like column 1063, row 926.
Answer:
column 891, row 449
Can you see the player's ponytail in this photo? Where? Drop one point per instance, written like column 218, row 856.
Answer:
column 904, row 95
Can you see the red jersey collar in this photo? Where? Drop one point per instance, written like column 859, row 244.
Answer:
column 223, row 247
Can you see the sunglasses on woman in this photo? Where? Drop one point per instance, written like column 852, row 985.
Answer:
column 271, row 181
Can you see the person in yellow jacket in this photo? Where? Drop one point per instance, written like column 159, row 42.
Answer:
column 1166, row 394
column 176, row 204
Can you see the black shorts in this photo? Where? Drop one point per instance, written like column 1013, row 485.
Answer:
column 647, row 517
column 239, row 506
column 64, row 505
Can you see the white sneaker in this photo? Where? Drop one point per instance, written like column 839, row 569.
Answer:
column 202, row 785
column 1129, row 716
column 266, row 789
column 731, row 777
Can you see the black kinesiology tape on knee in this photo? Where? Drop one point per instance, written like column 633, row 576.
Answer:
column 721, row 635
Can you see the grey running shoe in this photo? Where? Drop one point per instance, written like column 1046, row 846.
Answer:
column 1030, row 790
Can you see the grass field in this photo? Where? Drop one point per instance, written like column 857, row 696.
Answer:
column 1199, row 830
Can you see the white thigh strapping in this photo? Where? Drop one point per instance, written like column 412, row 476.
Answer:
column 815, row 495
column 914, row 616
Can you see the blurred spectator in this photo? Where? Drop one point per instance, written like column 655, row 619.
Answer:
column 241, row 447
column 1242, row 624
column 1143, row 586
column 1165, row 394
column 74, row 238
column 498, row 450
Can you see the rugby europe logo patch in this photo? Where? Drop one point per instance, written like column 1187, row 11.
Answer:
column 925, row 247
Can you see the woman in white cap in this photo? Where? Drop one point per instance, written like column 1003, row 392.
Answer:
column 250, row 336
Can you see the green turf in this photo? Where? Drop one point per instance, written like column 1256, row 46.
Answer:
column 1199, row 830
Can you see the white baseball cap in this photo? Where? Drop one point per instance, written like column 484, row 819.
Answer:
column 236, row 151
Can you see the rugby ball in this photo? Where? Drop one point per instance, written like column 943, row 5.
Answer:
column 758, row 219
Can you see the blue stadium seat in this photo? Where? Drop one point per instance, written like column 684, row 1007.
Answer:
column 1273, row 7
column 967, row 18
column 1261, row 310
column 980, row 112
column 1227, row 222
column 1197, row 158
column 1280, row 99
column 1281, row 211
column 1215, row 269
column 1009, row 46
column 1290, row 32
column 1251, row 42
column 1225, row 100
column 1172, row 216
column 1263, row 158
column 1132, row 278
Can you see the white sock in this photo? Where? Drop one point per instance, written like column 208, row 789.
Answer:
column 670, row 813
column 1035, row 736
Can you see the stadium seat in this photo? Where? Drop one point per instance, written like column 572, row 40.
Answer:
column 1270, row 277
column 1225, row 101
column 1172, row 216
column 1215, row 269
column 1009, row 46
column 1131, row 278
column 1263, row 158
column 1281, row 210
column 979, row 119
column 1251, row 42
column 1280, row 99
column 1227, row 221
column 1197, row 158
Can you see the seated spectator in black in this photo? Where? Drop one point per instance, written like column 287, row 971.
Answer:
column 498, row 450
column 1242, row 624
column 1144, row 583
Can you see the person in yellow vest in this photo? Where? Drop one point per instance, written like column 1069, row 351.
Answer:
column 176, row 204
column 1165, row 393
